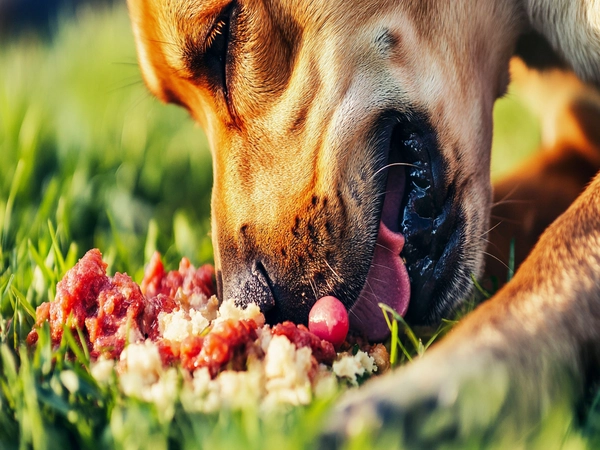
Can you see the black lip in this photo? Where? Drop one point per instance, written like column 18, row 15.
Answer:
column 429, row 219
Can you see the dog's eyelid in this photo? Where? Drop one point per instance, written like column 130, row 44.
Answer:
column 217, row 22
column 205, row 55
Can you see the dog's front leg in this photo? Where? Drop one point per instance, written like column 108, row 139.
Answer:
column 512, row 365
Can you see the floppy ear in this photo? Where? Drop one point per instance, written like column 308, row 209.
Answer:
column 572, row 27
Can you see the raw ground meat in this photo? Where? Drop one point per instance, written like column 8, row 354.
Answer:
column 299, row 335
column 112, row 312
column 190, row 280
column 104, row 308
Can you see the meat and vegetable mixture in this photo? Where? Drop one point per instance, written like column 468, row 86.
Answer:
column 171, row 330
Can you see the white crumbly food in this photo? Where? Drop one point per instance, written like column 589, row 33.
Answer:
column 194, row 318
column 229, row 310
column 287, row 373
column 103, row 370
column 142, row 376
column 230, row 389
column 180, row 324
column 285, row 376
column 353, row 366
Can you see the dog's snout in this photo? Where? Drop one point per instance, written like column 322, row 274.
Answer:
column 249, row 286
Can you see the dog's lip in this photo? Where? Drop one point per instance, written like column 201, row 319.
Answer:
column 425, row 217
column 387, row 279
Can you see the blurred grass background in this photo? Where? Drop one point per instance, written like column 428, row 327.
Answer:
column 84, row 145
column 89, row 159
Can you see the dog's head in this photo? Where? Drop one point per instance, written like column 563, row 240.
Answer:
column 350, row 139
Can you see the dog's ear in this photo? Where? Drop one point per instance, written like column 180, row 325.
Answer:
column 572, row 27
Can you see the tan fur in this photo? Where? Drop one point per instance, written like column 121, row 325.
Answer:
column 293, row 163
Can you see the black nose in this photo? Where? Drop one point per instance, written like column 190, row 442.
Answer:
column 250, row 286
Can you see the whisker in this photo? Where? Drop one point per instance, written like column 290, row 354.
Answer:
column 362, row 295
column 505, row 219
column 490, row 243
column 387, row 166
column 491, row 229
column 383, row 266
column 334, row 272
column 383, row 246
column 126, row 63
column 358, row 318
column 377, row 279
column 143, row 96
column 156, row 41
column 125, row 86
column 314, row 289
column 497, row 259
column 509, row 202
column 511, row 192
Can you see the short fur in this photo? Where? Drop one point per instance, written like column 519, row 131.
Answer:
column 296, row 109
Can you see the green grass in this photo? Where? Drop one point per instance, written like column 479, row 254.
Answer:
column 89, row 159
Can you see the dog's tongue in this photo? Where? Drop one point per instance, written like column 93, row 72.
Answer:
column 387, row 280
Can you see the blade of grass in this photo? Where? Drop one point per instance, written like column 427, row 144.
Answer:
column 22, row 301
column 78, row 350
column 408, row 330
column 57, row 252
column 483, row 292
column 445, row 326
column 14, row 188
column 48, row 275
column 394, row 329
column 511, row 261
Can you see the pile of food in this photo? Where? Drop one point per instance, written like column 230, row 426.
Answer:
column 171, row 334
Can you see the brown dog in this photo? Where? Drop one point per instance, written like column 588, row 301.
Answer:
column 351, row 150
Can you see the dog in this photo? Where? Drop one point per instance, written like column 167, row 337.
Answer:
column 351, row 157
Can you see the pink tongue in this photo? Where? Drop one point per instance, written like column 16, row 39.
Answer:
column 387, row 280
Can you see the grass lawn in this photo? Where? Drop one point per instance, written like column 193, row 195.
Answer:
column 89, row 159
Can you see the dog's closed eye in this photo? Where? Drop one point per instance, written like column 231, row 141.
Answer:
column 209, row 60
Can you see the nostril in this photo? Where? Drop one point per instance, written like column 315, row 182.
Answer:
column 254, row 288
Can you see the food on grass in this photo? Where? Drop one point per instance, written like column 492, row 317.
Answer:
column 172, row 328
column 328, row 319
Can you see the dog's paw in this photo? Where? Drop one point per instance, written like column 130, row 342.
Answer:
column 429, row 404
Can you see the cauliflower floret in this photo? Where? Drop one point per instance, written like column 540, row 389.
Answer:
column 229, row 310
column 140, row 367
column 286, row 372
column 242, row 390
column 200, row 393
column 143, row 376
column 103, row 369
column 179, row 324
column 366, row 361
column 353, row 366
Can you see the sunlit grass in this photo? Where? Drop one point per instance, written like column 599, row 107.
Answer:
column 89, row 159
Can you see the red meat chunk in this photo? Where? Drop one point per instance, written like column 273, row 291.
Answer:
column 191, row 281
column 228, row 344
column 104, row 308
column 299, row 335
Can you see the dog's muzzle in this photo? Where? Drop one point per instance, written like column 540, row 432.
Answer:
column 410, row 264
